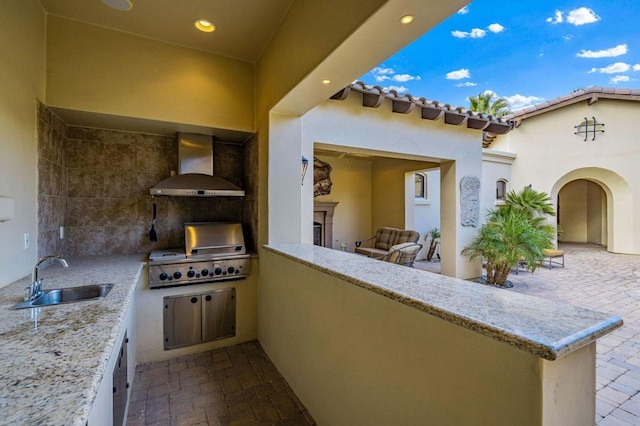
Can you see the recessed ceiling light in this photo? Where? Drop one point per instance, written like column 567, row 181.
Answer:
column 123, row 5
column 204, row 25
column 326, row 81
column 407, row 19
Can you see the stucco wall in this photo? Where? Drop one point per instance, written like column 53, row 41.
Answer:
column 352, row 190
column 355, row 357
column 95, row 69
column 550, row 155
column 426, row 212
column 582, row 212
column 22, row 43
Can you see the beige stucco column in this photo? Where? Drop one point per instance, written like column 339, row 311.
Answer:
column 455, row 236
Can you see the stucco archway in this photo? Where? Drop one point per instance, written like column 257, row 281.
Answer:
column 619, row 201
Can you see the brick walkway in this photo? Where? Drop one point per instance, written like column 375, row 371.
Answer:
column 237, row 385
column 605, row 282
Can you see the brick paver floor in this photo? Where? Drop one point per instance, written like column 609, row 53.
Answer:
column 237, row 385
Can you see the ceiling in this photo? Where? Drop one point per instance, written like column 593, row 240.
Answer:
column 243, row 28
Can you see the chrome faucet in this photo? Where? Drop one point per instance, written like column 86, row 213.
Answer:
column 34, row 290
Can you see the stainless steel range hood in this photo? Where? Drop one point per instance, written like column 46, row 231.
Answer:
column 195, row 172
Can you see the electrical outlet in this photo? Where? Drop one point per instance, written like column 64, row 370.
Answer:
column 27, row 241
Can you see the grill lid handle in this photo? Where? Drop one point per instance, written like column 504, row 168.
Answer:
column 195, row 250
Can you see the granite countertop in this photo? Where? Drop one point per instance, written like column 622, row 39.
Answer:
column 52, row 359
column 542, row 327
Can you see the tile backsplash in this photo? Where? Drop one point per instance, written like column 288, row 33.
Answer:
column 95, row 183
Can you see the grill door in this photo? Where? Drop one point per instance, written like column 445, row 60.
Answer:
column 218, row 314
column 182, row 325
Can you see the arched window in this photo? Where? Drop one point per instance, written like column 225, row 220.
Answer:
column 501, row 189
column 421, row 185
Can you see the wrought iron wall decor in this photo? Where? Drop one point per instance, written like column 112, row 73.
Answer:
column 589, row 127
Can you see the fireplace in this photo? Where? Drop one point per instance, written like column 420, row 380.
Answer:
column 323, row 223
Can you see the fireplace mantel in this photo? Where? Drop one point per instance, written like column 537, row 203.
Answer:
column 323, row 214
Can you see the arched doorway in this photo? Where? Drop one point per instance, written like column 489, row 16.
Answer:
column 615, row 213
column 582, row 213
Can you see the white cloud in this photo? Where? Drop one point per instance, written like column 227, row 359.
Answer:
column 557, row 18
column 636, row 67
column 402, row 78
column 459, row 74
column 399, row 89
column 620, row 78
column 517, row 101
column 464, row 10
column 612, row 52
column 383, row 73
column 567, row 37
column 581, row 16
column 467, row 84
column 495, row 28
column 615, row 68
column 383, row 70
column 475, row 33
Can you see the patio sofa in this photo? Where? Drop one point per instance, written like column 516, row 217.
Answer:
column 381, row 244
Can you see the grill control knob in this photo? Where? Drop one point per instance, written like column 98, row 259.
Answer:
column 164, row 276
column 177, row 275
column 205, row 272
column 231, row 269
column 191, row 273
column 218, row 271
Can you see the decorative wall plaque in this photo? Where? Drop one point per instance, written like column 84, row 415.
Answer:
column 321, row 177
column 470, row 201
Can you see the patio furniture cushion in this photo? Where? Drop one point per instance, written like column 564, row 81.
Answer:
column 403, row 253
column 406, row 236
column 371, row 251
column 386, row 237
column 550, row 255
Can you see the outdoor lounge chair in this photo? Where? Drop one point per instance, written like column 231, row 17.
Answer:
column 402, row 254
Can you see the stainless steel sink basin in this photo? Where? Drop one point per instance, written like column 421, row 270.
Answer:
column 58, row 296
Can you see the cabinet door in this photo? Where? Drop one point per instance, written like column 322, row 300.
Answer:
column 120, row 384
column 182, row 326
column 219, row 314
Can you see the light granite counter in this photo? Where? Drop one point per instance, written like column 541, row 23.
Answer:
column 52, row 359
column 542, row 327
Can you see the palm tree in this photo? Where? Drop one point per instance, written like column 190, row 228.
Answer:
column 514, row 233
column 487, row 103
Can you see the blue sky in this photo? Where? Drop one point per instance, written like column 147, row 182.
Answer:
column 527, row 51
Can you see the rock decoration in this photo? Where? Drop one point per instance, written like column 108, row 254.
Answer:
column 321, row 177
column 470, row 200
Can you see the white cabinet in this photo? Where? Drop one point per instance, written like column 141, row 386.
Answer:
column 117, row 380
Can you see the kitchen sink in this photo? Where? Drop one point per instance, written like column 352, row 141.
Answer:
column 59, row 296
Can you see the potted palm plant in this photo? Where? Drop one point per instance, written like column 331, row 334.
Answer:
column 435, row 235
column 516, row 232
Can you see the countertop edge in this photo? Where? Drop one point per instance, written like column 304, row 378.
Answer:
column 548, row 350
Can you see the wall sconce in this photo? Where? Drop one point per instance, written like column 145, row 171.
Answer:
column 303, row 171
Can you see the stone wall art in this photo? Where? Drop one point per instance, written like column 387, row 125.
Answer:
column 470, row 201
column 321, row 177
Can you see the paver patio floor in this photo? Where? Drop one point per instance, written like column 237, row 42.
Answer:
column 605, row 282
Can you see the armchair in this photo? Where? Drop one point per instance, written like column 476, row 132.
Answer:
column 402, row 254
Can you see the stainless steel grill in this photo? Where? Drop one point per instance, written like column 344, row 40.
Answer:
column 214, row 251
